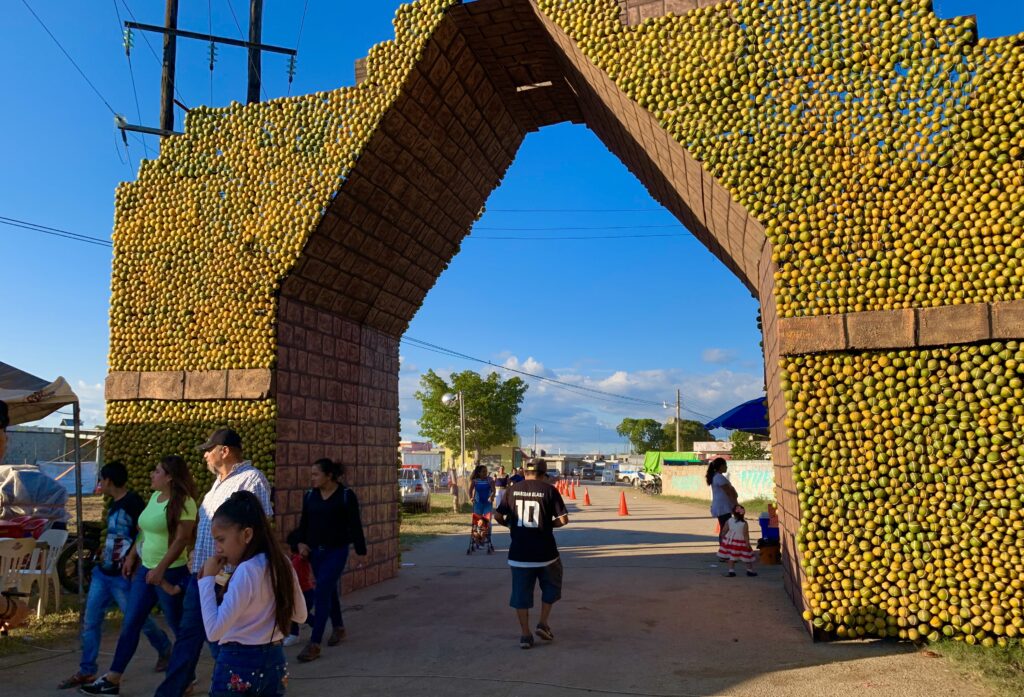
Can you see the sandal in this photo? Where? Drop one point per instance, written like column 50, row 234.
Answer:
column 76, row 680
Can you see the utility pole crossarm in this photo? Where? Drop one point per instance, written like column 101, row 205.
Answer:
column 211, row 37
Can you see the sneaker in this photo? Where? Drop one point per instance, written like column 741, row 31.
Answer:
column 751, row 573
column 337, row 636
column 101, row 687
column 544, row 632
column 730, row 573
column 526, row 641
column 310, row 653
column 162, row 662
column 291, row 640
column 76, row 680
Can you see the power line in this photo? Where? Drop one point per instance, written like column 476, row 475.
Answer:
column 576, row 210
column 585, row 227
column 298, row 42
column 241, row 35
column 56, row 232
column 68, row 56
column 131, row 74
column 636, row 400
column 579, row 237
column 152, row 50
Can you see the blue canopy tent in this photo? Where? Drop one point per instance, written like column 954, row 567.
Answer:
column 749, row 417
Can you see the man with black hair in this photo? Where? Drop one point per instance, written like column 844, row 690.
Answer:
column 531, row 510
column 107, row 585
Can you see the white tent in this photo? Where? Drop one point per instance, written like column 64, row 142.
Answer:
column 29, row 398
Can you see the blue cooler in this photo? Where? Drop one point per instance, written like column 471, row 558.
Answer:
column 767, row 533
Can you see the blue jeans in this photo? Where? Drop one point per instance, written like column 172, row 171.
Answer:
column 328, row 565
column 105, row 591
column 257, row 671
column 142, row 598
column 188, row 644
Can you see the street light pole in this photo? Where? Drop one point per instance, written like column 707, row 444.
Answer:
column 462, row 430
column 678, row 405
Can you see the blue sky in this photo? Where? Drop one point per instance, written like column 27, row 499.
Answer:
column 638, row 317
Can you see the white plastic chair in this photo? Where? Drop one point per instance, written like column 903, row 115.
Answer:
column 14, row 554
column 42, row 568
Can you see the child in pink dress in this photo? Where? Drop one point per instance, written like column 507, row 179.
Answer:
column 735, row 544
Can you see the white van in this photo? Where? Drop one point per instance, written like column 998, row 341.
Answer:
column 609, row 472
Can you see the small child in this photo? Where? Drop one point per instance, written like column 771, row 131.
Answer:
column 307, row 582
column 261, row 600
column 735, row 544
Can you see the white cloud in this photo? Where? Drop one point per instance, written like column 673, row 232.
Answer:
column 717, row 355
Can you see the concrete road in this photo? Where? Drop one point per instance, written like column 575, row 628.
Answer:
column 646, row 611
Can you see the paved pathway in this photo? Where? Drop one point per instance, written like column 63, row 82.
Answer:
column 646, row 611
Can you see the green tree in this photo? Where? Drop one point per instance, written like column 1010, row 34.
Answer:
column 689, row 432
column 492, row 408
column 746, row 447
column 644, row 434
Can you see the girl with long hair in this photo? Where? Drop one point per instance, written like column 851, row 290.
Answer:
column 261, row 599
column 329, row 525
column 157, row 563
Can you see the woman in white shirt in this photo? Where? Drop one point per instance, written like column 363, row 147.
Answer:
column 261, row 599
column 723, row 495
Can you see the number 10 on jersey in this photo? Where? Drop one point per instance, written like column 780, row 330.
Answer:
column 528, row 513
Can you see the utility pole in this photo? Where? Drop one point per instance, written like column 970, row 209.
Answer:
column 255, row 54
column 170, row 59
column 535, row 429
column 679, row 404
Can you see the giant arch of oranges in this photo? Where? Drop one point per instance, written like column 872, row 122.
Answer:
column 880, row 147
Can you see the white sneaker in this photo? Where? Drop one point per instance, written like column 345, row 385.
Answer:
column 291, row 640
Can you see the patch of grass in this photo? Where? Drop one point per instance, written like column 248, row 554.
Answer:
column 999, row 667
column 418, row 527
column 53, row 629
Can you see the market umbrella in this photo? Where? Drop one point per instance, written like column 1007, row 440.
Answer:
column 749, row 417
column 29, row 398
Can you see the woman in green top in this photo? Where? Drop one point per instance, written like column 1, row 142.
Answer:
column 166, row 531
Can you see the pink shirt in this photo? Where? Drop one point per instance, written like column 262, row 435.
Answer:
column 246, row 615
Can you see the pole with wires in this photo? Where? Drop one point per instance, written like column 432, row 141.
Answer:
column 167, row 78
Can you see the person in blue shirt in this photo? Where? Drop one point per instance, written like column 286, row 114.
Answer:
column 481, row 489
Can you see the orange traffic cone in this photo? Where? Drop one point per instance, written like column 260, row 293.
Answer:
column 572, row 492
column 586, row 496
column 622, row 504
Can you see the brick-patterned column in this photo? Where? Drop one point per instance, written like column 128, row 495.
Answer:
column 338, row 398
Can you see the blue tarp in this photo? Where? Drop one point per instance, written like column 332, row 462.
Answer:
column 749, row 417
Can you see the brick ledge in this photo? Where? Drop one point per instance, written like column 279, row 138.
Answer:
column 199, row 385
column 899, row 329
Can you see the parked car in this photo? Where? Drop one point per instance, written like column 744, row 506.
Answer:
column 414, row 490
column 587, row 472
column 633, row 478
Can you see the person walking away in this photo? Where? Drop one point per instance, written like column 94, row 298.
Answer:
column 500, row 486
column 481, row 489
column 329, row 524
column 261, row 599
column 531, row 511
column 723, row 495
column 107, row 586
column 166, row 527
column 735, row 544
column 222, row 453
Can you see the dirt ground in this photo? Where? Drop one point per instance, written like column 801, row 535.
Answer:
column 645, row 611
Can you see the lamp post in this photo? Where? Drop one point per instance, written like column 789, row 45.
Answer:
column 449, row 399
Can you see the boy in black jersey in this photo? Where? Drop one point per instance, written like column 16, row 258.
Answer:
column 531, row 510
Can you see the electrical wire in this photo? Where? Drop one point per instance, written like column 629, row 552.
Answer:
column 68, row 56
column 584, row 227
column 576, row 210
column 577, row 237
column 151, row 50
column 131, row 74
column 241, row 35
column 298, row 41
column 56, row 232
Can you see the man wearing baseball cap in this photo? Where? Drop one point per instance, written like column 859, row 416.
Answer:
column 531, row 510
column 222, row 452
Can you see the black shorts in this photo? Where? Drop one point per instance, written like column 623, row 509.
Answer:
column 525, row 578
